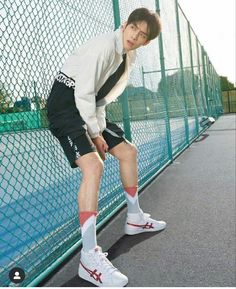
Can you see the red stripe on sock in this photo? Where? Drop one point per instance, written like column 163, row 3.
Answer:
column 83, row 216
column 131, row 190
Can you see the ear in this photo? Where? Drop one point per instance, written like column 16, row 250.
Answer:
column 123, row 26
column 146, row 43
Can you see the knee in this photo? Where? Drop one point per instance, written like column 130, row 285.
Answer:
column 92, row 166
column 95, row 167
column 131, row 152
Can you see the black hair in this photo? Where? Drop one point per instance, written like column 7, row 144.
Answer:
column 151, row 18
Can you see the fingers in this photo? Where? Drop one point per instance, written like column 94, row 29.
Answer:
column 101, row 146
column 102, row 155
column 102, row 151
column 105, row 147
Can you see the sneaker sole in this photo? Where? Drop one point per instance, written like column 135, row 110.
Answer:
column 129, row 231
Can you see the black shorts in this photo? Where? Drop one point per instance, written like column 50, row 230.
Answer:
column 69, row 128
column 81, row 145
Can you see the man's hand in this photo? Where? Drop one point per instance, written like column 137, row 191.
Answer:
column 101, row 146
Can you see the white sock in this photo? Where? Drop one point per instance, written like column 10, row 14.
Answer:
column 88, row 229
column 131, row 194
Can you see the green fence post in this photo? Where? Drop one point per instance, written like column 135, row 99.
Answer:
column 216, row 96
column 165, row 90
column 37, row 104
column 124, row 98
column 219, row 107
column 143, row 78
column 126, row 115
column 210, row 87
column 116, row 13
column 205, row 80
column 200, row 74
column 145, row 102
column 200, row 71
column 214, row 91
column 182, row 72
column 193, row 82
column 220, row 95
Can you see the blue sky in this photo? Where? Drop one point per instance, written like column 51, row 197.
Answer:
column 214, row 23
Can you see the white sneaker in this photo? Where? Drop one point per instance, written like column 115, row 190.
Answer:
column 140, row 223
column 97, row 269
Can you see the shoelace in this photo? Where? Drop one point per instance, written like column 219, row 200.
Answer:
column 104, row 262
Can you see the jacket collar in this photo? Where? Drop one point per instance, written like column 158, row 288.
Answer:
column 119, row 41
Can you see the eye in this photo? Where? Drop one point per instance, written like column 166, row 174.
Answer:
column 143, row 36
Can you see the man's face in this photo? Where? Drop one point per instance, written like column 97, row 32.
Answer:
column 135, row 35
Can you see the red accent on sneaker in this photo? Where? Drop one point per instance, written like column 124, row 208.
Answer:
column 83, row 216
column 146, row 226
column 132, row 191
column 93, row 273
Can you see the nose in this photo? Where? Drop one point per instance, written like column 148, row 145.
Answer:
column 135, row 35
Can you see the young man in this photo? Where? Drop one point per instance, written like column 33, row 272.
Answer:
column 92, row 77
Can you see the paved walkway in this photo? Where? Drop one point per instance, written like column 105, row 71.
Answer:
column 196, row 197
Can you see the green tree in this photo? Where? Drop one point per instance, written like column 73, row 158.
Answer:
column 5, row 100
column 226, row 84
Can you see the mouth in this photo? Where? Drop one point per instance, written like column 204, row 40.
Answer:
column 130, row 43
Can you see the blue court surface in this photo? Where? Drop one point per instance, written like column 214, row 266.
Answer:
column 22, row 212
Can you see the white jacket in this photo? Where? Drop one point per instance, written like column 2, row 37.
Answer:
column 90, row 66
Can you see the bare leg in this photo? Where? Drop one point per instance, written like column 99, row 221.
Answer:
column 91, row 255
column 137, row 221
column 126, row 153
column 92, row 168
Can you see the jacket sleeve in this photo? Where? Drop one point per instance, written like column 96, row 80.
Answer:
column 91, row 66
column 101, row 117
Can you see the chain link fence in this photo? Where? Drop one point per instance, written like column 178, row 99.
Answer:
column 171, row 89
column 229, row 100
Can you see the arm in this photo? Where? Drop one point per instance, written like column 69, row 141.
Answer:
column 92, row 65
column 101, row 117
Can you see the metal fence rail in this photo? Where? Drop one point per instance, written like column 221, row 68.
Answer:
column 173, row 86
